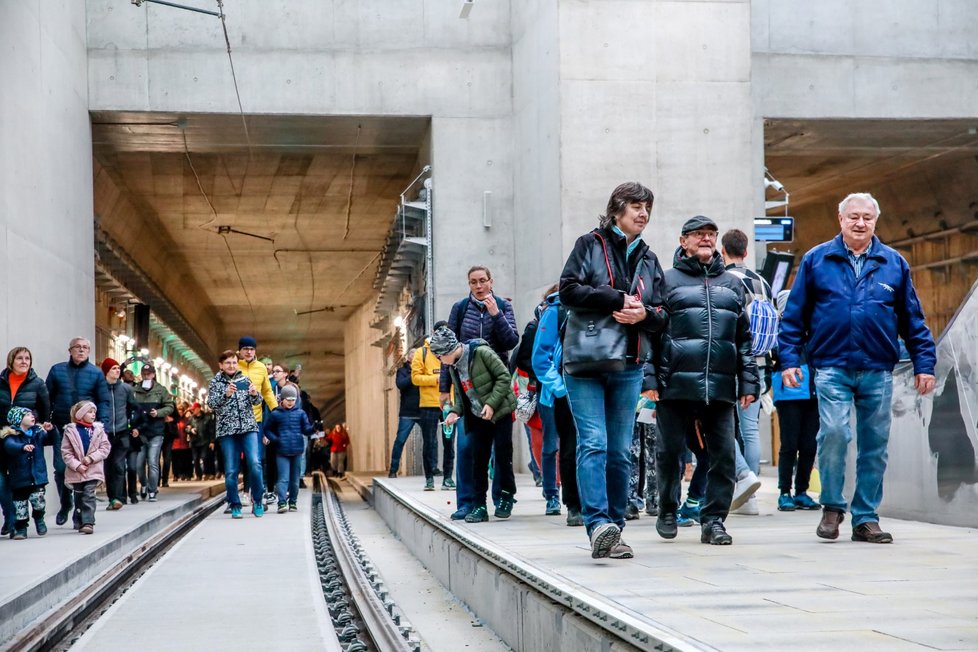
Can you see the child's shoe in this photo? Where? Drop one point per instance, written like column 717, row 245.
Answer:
column 282, row 508
column 236, row 512
column 40, row 525
column 88, row 528
column 258, row 510
column 293, row 508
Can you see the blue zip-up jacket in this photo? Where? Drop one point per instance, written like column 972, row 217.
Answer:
column 69, row 383
column 25, row 469
column 475, row 323
column 854, row 323
column 548, row 353
column 288, row 429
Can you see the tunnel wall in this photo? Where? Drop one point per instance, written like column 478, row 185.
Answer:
column 46, row 232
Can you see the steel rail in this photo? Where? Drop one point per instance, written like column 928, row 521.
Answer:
column 57, row 625
column 384, row 633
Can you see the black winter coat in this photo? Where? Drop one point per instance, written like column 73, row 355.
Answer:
column 704, row 352
column 32, row 394
column 585, row 285
column 410, row 394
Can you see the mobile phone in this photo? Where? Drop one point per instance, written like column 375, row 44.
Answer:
column 242, row 383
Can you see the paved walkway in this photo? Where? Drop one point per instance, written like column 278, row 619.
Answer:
column 779, row 587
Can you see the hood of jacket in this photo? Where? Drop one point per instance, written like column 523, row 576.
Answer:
column 694, row 267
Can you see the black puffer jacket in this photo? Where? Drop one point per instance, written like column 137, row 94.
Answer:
column 32, row 394
column 585, row 285
column 704, row 350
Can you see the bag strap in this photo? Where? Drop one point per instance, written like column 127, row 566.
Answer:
column 604, row 249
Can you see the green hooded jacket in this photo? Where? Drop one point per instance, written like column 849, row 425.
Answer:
column 490, row 379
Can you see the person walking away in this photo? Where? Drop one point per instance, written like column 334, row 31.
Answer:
column 484, row 398
column 612, row 277
column 704, row 368
column 409, row 410
column 234, row 397
column 20, row 386
column 84, row 448
column 68, row 383
column 122, row 405
column 852, row 300
column 425, row 374
column 23, row 447
column 288, row 426
column 153, row 405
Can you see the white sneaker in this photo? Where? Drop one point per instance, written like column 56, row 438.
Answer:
column 749, row 508
column 245, row 498
column 744, row 489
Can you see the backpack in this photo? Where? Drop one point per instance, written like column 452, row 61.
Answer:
column 761, row 311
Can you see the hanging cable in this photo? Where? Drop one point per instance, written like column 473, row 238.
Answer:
column 349, row 199
column 234, row 77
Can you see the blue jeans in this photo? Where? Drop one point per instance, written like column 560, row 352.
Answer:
column 750, row 458
column 289, row 469
column 404, row 427
column 549, row 457
column 604, row 411
column 871, row 392
column 151, row 449
column 233, row 446
column 464, row 480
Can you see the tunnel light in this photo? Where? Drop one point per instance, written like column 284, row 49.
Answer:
column 144, row 352
column 398, row 322
column 121, row 339
column 174, row 371
column 158, row 362
column 466, row 8
column 165, row 366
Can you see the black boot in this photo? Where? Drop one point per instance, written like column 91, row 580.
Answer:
column 39, row 523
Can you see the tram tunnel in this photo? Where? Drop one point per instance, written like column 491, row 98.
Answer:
column 264, row 225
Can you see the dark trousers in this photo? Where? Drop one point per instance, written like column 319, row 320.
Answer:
column 132, row 471
column 486, row 437
column 115, row 466
column 429, row 440
column 200, row 461
column 167, row 453
column 676, row 422
column 799, row 426
column 567, row 434
column 64, row 493
column 84, row 494
column 183, row 465
column 270, row 467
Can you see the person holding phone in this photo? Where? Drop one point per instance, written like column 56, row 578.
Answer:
column 233, row 398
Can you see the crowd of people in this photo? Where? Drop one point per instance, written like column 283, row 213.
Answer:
column 626, row 373
column 108, row 427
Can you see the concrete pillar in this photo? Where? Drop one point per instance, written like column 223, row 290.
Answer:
column 46, row 223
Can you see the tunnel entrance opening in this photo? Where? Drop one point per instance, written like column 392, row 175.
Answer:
column 271, row 226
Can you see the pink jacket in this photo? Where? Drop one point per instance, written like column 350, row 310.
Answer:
column 71, row 451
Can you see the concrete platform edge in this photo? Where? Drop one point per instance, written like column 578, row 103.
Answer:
column 51, row 591
column 525, row 606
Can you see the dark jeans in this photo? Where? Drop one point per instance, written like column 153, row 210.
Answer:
column 64, row 493
column 485, row 437
column 567, row 432
column 183, row 464
column 429, row 439
column 201, row 466
column 270, row 467
column 115, row 466
column 676, row 422
column 167, row 451
column 132, row 471
column 405, row 426
column 799, row 427
column 84, row 513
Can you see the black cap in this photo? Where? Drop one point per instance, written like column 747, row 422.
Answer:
column 148, row 368
column 699, row 222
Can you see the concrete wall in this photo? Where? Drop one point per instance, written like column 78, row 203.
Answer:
column 366, row 388
column 46, row 235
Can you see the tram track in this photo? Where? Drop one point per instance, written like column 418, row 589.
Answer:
column 364, row 617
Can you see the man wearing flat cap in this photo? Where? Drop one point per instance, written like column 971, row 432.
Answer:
column 703, row 367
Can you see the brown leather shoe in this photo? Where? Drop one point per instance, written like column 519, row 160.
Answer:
column 871, row 533
column 828, row 527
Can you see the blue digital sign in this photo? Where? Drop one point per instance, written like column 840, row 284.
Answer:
column 774, row 229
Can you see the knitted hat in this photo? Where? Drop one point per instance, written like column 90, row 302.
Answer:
column 16, row 415
column 246, row 342
column 288, row 391
column 80, row 408
column 443, row 341
column 107, row 364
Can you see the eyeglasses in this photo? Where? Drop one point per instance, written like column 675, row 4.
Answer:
column 81, row 347
column 479, row 281
column 278, row 371
column 702, row 235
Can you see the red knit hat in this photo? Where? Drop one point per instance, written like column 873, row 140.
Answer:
column 107, row 364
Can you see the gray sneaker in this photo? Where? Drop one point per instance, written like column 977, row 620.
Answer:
column 621, row 551
column 574, row 518
column 604, row 538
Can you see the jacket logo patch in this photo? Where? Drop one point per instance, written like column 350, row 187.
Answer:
column 886, row 287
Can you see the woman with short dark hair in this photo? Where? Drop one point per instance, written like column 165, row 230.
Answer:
column 612, row 273
column 20, row 386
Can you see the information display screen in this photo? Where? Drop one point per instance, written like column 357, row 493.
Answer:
column 774, row 229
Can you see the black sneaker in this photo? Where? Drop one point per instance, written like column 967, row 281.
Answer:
column 62, row 516
column 505, row 507
column 631, row 513
column 392, row 474
column 133, row 499
column 437, row 471
column 665, row 525
column 574, row 518
column 715, row 534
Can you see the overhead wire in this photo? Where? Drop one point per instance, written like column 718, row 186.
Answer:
column 353, row 169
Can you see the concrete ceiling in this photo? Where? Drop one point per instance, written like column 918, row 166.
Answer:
column 272, row 229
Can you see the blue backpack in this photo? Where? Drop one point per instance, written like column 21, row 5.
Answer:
column 761, row 311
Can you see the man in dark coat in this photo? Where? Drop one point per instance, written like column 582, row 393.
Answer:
column 703, row 368
column 68, row 382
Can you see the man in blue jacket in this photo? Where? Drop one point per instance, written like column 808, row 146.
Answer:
column 851, row 302
column 68, row 382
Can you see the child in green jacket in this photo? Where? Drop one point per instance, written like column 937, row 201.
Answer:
column 484, row 398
